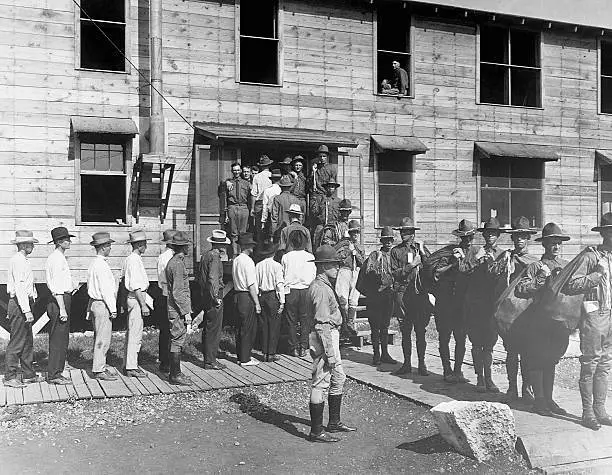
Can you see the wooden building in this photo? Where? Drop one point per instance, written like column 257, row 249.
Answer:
column 507, row 112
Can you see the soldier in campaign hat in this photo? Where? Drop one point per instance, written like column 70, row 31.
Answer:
column 324, row 210
column 280, row 207
column 322, row 171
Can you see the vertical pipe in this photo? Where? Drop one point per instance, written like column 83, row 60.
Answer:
column 156, row 129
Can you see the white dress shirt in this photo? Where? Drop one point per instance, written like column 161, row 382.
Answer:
column 20, row 282
column 162, row 262
column 270, row 277
column 59, row 280
column 261, row 182
column 268, row 198
column 243, row 273
column 299, row 270
column 135, row 273
column 101, row 283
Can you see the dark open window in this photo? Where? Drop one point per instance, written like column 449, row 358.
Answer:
column 606, row 77
column 394, row 187
column 511, row 187
column 510, row 71
column 103, row 178
column 606, row 188
column 102, row 25
column 393, row 44
column 259, row 55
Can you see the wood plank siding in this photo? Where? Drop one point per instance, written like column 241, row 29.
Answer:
column 327, row 84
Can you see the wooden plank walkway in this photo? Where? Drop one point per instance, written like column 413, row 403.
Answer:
column 84, row 386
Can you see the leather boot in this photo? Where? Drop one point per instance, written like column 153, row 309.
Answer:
column 421, row 345
column 549, row 382
column 334, row 424
column 478, row 369
column 384, row 343
column 459, row 355
column 512, row 372
column 176, row 377
column 540, row 406
column 487, row 363
column 351, row 316
column 585, row 384
column 600, row 390
column 447, row 371
column 376, row 346
column 316, row 425
column 527, row 389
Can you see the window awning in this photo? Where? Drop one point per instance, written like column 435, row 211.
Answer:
column 517, row 150
column 604, row 156
column 103, row 125
column 242, row 133
column 384, row 143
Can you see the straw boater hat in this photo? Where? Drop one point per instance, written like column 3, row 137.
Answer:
column 332, row 182
column 387, row 233
column 605, row 223
column 137, row 236
column 490, row 224
column 353, row 225
column 345, row 205
column 551, row 230
column 246, row 240
column 285, row 182
column 520, row 225
column 407, row 223
column 59, row 233
column 264, row 161
column 326, row 254
column 180, row 238
column 168, row 234
column 23, row 237
column 295, row 209
column 466, row 228
column 101, row 238
column 218, row 237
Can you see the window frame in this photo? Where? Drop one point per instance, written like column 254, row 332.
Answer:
column 127, row 161
column 542, row 189
column 77, row 43
column 509, row 66
column 600, row 165
column 279, row 48
column 411, row 39
column 600, row 74
column 377, row 214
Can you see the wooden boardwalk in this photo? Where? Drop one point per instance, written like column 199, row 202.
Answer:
column 83, row 386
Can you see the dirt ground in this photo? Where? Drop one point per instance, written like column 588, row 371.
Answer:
column 258, row 430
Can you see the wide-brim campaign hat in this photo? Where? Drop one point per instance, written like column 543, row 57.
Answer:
column 295, row 209
column 332, row 182
column 137, row 236
column 264, row 161
column 24, row 236
column 323, row 149
column 520, row 225
column 180, row 238
column 266, row 249
column 168, row 235
column 60, row 233
column 386, row 233
column 326, row 254
column 353, row 225
column 246, row 239
column 465, row 228
column 492, row 224
column 345, row 205
column 285, row 182
column 604, row 223
column 218, row 236
column 551, row 230
column 407, row 223
column 298, row 158
column 101, row 238
column 286, row 161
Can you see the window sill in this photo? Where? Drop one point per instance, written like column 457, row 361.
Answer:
column 108, row 225
column 265, row 84
column 541, row 108
column 396, row 96
column 607, row 114
column 103, row 71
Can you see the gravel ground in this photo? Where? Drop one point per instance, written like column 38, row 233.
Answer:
column 258, row 430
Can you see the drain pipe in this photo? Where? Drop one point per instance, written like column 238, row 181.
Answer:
column 156, row 126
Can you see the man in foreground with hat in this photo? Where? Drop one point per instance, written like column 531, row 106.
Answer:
column 179, row 305
column 247, row 299
column 139, row 303
column 299, row 189
column 295, row 224
column 324, row 210
column 353, row 256
column 238, row 201
column 261, row 182
column 412, row 306
column 102, row 308
column 480, row 307
column 210, row 279
column 280, row 207
column 164, row 325
column 508, row 266
column 543, row 340
column 22, row 294
column 451, row 275
column 322, row 172
column 592, row 278
column 271, row 284
column 60, row 284
column 327, row 373
column 268, row 200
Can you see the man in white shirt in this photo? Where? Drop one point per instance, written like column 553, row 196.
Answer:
column 22, row 293
column 164, row 325
column 136, row 284
column 300, row 271
column 271, row 283
column 61, row 286
column 261, row 182
column 247, row 299
column 268, row 199
column 102, row 291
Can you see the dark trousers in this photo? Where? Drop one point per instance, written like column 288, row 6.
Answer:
column 211, row 333
column 59, row 333
column 164, row 333
column 270, row 322
column 295, row 311
column 248, row 326
column 20, row 346
column 413, row 312
column 449, row 322
column 380, row 310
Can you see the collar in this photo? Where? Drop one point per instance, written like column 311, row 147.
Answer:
column 519, row 253
column 323, row 278
column 101, row 257
column 486, row 247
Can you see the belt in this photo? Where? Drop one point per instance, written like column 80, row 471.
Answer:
column 241, row 291
column 238, row 204
column 267, row 291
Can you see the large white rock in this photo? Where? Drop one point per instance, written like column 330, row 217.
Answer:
column 481, row 430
